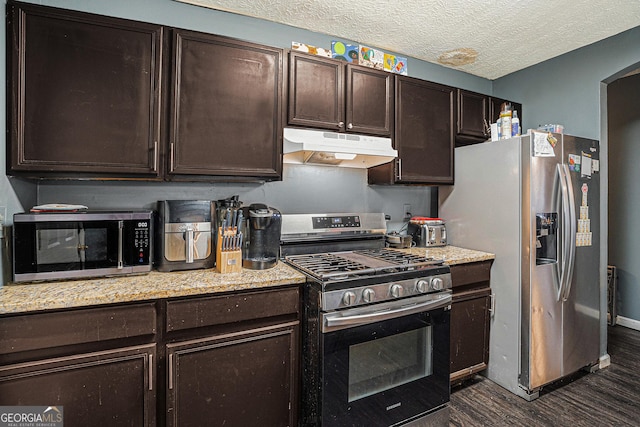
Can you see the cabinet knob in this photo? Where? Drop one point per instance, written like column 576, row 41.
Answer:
column 340, row 124
column 350, row 126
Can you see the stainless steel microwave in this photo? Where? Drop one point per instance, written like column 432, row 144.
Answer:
column 72, row 245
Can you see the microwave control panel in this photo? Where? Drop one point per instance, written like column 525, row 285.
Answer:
column 140, row 232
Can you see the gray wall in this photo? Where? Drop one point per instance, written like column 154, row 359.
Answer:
column 624, row 196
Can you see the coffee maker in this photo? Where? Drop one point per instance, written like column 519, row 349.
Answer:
column 185, row 235
column 263, row 247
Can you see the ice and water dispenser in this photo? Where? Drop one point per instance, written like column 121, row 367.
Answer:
column 546, row 238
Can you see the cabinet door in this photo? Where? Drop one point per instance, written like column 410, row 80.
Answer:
column 84, row 93
column 110, row 388
column 226, row 112
column 316, row 92
column 494, row 113
column 424, row 135
column 470, row 317
column 473, row 112
column 369, row 101
column 239, row 379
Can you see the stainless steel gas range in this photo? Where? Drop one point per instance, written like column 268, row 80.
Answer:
column 376, row 324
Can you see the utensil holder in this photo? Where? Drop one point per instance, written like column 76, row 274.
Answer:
column 228, row 257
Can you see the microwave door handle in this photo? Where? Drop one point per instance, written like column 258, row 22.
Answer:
column 120, row 241
column 82, row 245
column 363, row 319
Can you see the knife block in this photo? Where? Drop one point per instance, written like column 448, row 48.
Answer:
column 227, row 261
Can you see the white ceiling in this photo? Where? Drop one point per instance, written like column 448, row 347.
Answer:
column 508, row 35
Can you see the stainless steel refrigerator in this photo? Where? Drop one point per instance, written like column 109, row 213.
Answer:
column 533, row 201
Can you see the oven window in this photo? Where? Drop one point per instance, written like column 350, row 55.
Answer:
column 385, row 363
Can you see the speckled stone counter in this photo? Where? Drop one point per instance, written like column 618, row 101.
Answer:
column 452, row 255
column 18, row 298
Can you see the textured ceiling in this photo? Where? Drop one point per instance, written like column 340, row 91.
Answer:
column 508, row 35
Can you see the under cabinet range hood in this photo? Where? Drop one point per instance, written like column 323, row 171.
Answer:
column 337, row 149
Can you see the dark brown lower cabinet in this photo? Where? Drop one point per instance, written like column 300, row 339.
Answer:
column 470, row 319
column 233, row 359
column 98, row 364
column 234, row 380
column 210, row 360
column 114, row 387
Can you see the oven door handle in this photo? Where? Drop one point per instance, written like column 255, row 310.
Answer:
column 336, row 321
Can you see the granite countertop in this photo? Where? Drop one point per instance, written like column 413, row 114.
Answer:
column 18, row 298
column 21, row 298
column 452, row 255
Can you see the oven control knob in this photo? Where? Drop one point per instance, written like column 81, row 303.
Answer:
column 422, row 286
column 436, row 284
column 348, row 298
column 397, row 291
column 368, row 295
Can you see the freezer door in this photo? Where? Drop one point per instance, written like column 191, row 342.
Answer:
column 542, row 238
column 581, row 306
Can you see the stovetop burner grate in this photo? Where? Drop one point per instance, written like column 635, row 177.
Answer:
column 339, row 265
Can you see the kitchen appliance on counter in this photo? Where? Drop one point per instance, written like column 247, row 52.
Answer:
column 427, row 232
column 375, row 323
column 74, row 245
column 534, row 202
column 185, row 235
column 263, row 247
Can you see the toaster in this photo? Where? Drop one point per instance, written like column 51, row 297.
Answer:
column 427, row 232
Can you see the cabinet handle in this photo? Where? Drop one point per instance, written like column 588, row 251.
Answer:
column 171, row 371
column 151, row 372
column 350, row 126
column 399, row 175
column 492, row 304
column 155, row 156
column 171, row 158
column 340, row 124
column 487, row 128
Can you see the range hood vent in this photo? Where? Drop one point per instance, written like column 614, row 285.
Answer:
column 337, row 149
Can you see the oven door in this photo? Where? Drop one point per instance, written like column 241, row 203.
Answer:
column 387, row 363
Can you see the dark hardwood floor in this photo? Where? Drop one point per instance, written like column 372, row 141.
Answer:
column 608, row 397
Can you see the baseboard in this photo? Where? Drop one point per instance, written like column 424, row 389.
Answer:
column 628, row 323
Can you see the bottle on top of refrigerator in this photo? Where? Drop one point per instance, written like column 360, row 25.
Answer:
column 505, row 121
column 515, row 124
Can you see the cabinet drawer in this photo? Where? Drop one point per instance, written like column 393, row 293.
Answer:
column 209, row 311
column 475, row 272
column 47, row 330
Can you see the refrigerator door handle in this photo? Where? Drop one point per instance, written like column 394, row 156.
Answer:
column 568, row 231
column 570, row 223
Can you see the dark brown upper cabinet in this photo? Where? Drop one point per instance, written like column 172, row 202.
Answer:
column 473, row 117
column 226, row 107
column 424, row 135
column 84, row 93
column 494, row 109
column 329, row 94
column 476, row 112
